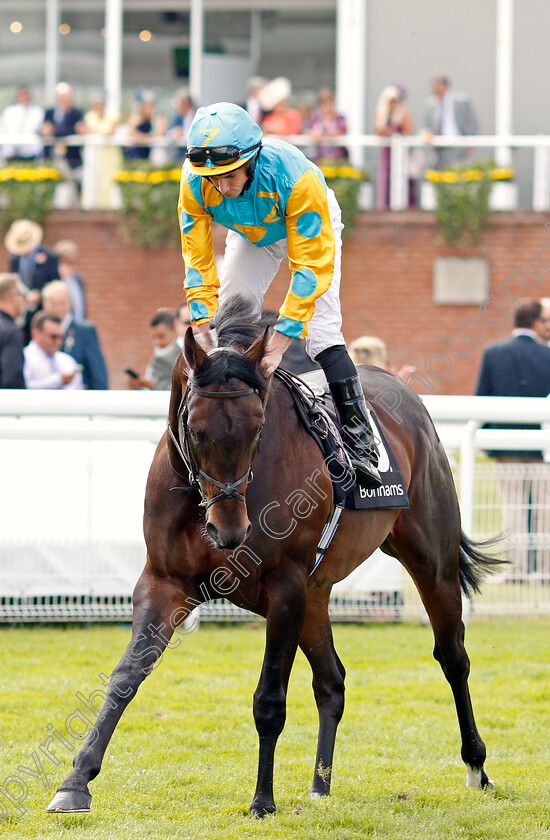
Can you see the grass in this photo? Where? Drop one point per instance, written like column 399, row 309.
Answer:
column 182, row 762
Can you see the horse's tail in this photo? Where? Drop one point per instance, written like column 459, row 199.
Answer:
column 474, row 564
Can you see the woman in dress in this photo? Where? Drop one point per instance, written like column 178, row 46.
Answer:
column 390, row 117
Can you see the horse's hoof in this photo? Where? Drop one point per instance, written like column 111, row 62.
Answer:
column 477, row 778
column 70, row 802
column 316, row 794
column 258, row 812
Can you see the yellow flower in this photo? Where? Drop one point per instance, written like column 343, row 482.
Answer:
column 432, row 175
column 502, row 174
column 21, row 174
column 343, row 171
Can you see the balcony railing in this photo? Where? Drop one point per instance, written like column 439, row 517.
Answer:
column 535, row 174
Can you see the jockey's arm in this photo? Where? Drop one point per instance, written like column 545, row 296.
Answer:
column 311, row 253
column 201, row 277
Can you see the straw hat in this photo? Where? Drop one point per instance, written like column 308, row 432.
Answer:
column 23, row 237
column 275, row 91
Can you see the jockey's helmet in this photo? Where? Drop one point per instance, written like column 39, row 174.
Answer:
column 222, row 138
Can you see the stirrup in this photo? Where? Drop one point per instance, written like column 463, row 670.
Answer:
column 366, row 473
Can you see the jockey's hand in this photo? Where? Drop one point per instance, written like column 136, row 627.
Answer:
column 200, row 328
column 275, row 349
column 204, row 336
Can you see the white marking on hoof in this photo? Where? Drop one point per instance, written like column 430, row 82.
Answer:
column 473, row 777
column 314, row 795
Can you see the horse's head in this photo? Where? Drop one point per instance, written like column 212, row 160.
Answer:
column 220, row 426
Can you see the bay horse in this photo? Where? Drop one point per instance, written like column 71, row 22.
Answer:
column 213, row 530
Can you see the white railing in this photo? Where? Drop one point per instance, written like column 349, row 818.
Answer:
column 74, row 471
column 401, row 147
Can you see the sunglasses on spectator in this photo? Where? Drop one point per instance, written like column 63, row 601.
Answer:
column 218, row 155
column 54, row 336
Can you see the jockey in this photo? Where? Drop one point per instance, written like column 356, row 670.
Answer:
column 275, row 204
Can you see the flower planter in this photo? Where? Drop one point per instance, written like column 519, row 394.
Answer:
column 27, row 192
column 504, row 196
column 65, row 196
column 365, row 199
column 428, row 200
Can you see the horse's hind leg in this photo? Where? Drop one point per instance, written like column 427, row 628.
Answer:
column 156, row 604
column 437, row 580
column 328, row 685
column 450, row 652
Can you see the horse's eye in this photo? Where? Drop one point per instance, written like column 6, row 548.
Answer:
column 193, row 435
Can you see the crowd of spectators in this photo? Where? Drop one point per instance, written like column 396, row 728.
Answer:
column 45, row 339
column 43, row 134
column 40, row 134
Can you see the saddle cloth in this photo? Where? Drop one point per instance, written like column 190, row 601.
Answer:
column 314, row 403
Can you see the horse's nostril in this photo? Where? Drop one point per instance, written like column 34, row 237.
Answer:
column 248, row 530
column 212, row 532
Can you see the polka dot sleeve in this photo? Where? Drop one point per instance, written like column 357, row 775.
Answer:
column 311, row 253
column 201, row 277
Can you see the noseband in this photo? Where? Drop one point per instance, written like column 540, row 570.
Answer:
column 228, row 488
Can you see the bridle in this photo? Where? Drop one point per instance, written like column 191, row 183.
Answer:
column 228, row 488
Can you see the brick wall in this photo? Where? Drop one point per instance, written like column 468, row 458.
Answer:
column 386, row 289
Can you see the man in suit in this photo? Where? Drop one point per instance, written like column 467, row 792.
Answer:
column 67, row 255
column 166, row 350
column 542, row 327
column 34, row 263
column 64, row 120
column 520, row 367
column 12, row 305
column 448, row 113
column 80, row 337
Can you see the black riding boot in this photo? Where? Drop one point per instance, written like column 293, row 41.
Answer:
column 351, row 407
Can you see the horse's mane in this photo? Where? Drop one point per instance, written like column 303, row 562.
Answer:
column 237, row 326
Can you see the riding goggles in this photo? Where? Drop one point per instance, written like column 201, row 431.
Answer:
column 217, row 155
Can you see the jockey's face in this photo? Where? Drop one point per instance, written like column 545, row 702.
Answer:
column 232, row 183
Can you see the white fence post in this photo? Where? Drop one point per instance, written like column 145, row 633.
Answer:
column 541, row 177
column 466, row 476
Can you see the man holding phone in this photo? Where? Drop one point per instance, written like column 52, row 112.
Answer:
column 158, row 376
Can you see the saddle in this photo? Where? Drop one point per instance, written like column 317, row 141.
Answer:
column 315, row 407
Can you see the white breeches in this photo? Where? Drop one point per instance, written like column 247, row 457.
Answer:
column 249, row 270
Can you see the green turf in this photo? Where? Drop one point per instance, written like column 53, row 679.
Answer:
column 182, row 762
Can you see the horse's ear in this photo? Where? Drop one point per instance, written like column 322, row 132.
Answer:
column 257, row 349
column 193, row 352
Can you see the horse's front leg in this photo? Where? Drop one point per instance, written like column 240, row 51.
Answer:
column 328, row 685
column 285, row 615
column 157, row 606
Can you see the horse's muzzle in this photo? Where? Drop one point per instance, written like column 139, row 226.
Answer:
column 227, row 538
